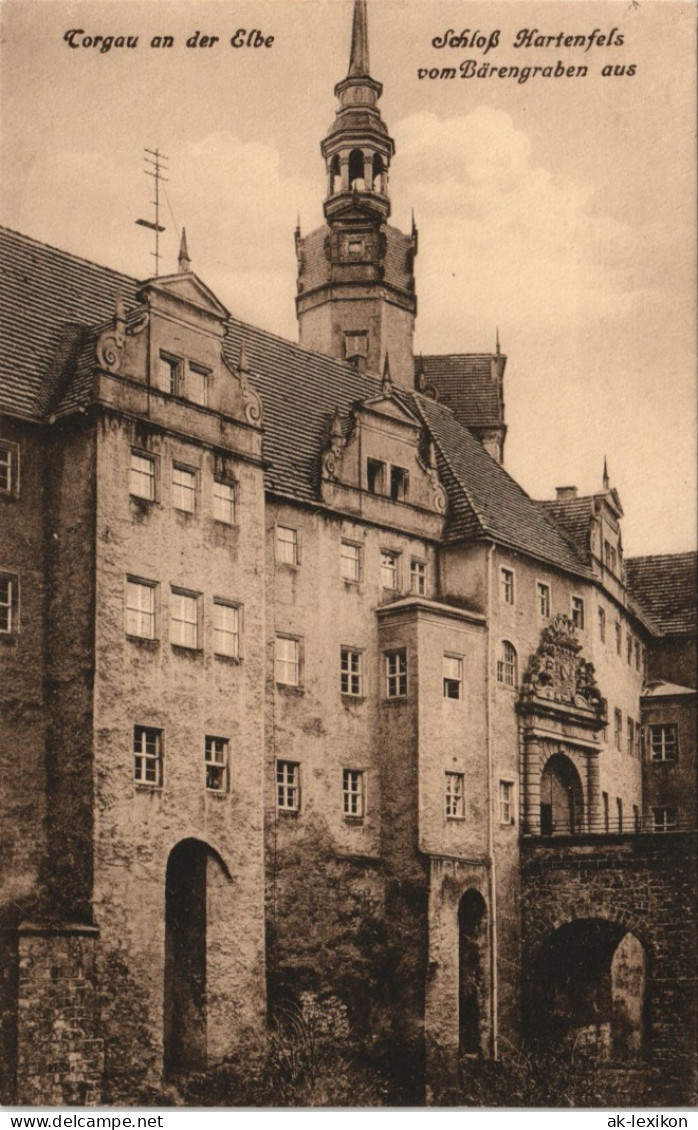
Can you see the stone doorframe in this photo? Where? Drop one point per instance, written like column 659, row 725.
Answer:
column 561, row 711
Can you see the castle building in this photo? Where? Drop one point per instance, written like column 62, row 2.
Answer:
column 302, row 692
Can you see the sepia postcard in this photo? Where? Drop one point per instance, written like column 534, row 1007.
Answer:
column 348, row 635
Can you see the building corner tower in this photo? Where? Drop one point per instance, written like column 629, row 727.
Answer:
column 356, row 295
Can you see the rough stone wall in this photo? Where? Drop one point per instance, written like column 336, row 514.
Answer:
column 22, row 659
column 647, row 885
column 187, row 694
column 60, row 1056
column 69, row 485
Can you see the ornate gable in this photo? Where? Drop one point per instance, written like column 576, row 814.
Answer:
column 375, row 464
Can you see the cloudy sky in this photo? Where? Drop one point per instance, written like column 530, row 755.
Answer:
column 561, row 210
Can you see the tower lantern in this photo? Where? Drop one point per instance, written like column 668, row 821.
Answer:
column 356, row 295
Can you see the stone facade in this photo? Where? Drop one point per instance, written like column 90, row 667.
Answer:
column 310, row 695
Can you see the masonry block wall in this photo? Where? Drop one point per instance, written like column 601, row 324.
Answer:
column 645, row 885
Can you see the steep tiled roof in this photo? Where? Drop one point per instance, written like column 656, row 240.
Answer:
column 464, row 383
column 48, row 297
column 667, row 586
column 52, row 297
column 573, row 516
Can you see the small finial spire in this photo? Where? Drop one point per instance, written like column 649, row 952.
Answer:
column 606, row 480
column 336, row 431
column 358, row 58
column 498, row 352
column 119, row 312
column 432, row 455
column 387, row 383
column 183, row 258
column 298, row 224
column 242, row 360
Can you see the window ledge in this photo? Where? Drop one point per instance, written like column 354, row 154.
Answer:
column 219, row 794
column 349, row 698
column 288, row 813
column 290, row 689
column 288, row 566
column 354, row 821
column 144, row 787
column 184, row 649
column 397, row 700
column 456, row 819
column 144, row 641
column 235, row 660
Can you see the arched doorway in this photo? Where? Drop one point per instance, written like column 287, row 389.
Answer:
column 561, row 797
column 472, row 976
column 185, row 1043
column 589, row 990
column 356, row 170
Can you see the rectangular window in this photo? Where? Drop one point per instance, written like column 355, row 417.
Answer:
column 287, row 661
column 183, row 488
column 506, row 585
column 140, row 608
column 375, row 476
column 389, row 561
column 665, row 819
column 184, row 618
column 142, row 476
column 619, row 637
column 629, row 649
column 224, row 501
column 602, row 625
column 455, row 796
column 618, row 728
column 619, row 813
column 578, row 612
column 506, row 802
column 350, row 679
column 170, row 374
column 216, row 764
column 350, row 562
column 398, row 484
column 663, row 743
column 418, row 578
column 197, row 384
column 288, row 791
column 606, row 817
column 636, row 818
column 287, row 545
column 396, row 674
column 452, row 676
column 630, row 735
column 147, row 755
column 638, row 739
column 9, row 604
column 353, row 793
column 638, row 663
column 543, row 592
column 226, row 628
column 609, row 556
column 9, row 468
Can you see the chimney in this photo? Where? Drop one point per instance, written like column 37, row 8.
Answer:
column 564, row 494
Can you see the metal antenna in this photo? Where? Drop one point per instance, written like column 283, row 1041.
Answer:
column 155, row 159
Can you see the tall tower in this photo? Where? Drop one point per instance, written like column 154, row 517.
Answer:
column 356, row 298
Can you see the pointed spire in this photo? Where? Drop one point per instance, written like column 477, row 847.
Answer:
column 183, row 258
column 358, row 59
column 242, row 361
column 498, row 352
column 298, row 224
column 119, row 312
column 336, row 430
column 606, row 480
column 387, row 383
column 432, row 455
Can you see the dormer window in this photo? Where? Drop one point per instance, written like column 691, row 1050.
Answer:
column 375, row 476
column 609, row 554
column 170, row 369
column 197, row 384
column 398, row 484
column 355, row 248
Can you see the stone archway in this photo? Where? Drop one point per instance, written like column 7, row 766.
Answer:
column 186, row 943
column 588, row 990
column 472, row 974
column 561, row 797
